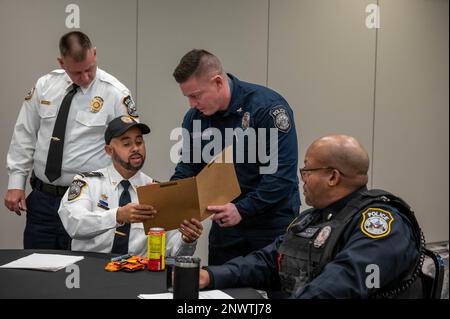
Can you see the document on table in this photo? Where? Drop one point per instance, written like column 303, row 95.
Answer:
column 208, row 294
column 46, row 262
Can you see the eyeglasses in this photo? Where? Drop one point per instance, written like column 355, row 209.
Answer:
column 305, row 170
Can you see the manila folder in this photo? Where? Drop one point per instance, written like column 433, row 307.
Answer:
column 187, row 198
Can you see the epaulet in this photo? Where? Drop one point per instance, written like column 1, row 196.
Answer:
column 108, row 78
column 57, row 71
column 91, row 174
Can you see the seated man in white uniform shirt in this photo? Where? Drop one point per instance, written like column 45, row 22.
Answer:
column 100, row 210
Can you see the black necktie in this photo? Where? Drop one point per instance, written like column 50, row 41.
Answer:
column 55, row 151
column 120, row 245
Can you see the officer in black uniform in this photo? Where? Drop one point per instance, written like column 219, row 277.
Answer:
column 353, row 243
column 263, row 123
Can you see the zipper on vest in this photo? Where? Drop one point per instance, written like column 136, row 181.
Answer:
column 309, row 260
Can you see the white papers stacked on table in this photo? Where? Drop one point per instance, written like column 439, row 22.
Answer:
column 208, row 294
column 46, row 262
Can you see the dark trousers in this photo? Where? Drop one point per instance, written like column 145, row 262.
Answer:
column 44, row 229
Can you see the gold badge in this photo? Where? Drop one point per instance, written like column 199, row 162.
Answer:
column 96, row 104
column 103, row 197
column 126, row 119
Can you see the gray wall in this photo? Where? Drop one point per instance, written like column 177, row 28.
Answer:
column 388, row 87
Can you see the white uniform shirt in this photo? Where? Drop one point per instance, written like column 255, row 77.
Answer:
column 92, row 228
column 91, row 110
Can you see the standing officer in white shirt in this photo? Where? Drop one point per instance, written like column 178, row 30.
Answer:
column 100, row 210
column 59, row 133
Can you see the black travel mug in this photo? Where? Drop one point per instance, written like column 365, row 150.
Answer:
column 170, row 263
column 186, row 277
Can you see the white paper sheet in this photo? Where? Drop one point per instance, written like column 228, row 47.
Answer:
column 47, row 262
column 208, row 294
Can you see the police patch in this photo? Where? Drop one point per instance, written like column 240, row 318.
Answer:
column 246, row 121
column 130, row 106
column 29, row 94
column 75, row 189
column 281, row 118
column 376, row 222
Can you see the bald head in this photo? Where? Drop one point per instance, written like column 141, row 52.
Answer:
column 344, row 153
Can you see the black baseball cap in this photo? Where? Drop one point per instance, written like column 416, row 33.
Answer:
column 120, row 125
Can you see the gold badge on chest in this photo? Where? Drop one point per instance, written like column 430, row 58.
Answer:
column 96, row 104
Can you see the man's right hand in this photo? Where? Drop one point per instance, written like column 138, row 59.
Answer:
column 15, row 200
column 134, row 213
column 204, row 279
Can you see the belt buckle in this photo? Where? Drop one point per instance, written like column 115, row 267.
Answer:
column 61, row 190
column 49, row 189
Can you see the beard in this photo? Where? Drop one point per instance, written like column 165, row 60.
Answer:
column 127, row 165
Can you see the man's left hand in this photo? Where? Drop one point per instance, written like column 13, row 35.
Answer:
column 226, row 215
column 191, row 230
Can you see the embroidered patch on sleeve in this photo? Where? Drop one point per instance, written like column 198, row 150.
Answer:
column 75, row 189
column 29, row 94
column 281, row 118
column 376, row 222
column 130, row 106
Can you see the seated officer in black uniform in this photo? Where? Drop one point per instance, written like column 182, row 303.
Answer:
column 353, row 243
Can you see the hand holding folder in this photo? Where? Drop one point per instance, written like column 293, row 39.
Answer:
column 188, row 198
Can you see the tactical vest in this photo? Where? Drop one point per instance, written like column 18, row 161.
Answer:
column 309, row 246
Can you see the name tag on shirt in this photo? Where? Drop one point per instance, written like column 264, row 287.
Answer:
column 102, row 204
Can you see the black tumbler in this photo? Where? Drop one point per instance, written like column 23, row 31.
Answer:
column 186, row 277
column 170, row 262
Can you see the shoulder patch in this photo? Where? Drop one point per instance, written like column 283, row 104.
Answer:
column 376, row 222
column 30, row 94
column 130, row 106
column 91, row 174
column 75, row 189
column 281, row 118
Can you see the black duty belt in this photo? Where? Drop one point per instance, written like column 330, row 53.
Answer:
column 57, row 191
